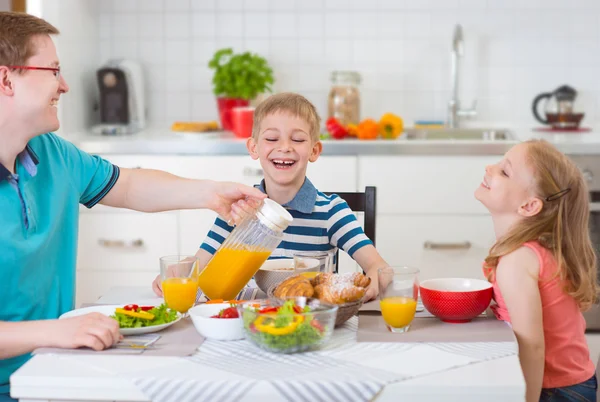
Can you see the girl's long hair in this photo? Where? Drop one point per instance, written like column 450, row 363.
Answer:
column 562, row 225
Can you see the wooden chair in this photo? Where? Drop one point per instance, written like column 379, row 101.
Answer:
column 362, row 202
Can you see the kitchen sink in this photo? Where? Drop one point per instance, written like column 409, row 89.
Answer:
column 451, row 134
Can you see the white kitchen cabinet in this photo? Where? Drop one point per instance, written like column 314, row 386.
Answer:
column 131, row 241
column 425, row 184
column 440, row 246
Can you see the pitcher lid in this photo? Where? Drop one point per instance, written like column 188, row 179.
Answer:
column 275, row 214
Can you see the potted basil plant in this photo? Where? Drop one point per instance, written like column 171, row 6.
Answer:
column 238, row 79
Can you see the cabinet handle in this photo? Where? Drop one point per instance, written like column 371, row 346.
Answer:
column 138, row 243
column 465, row 245
column 253, row 172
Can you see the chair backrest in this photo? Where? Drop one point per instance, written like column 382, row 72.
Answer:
column 362, row 202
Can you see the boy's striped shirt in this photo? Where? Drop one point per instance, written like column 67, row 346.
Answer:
column 321, row 223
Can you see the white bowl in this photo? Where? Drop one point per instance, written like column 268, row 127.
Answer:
column 221, row 329
column 275, row 271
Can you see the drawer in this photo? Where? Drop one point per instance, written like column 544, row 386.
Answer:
column 440, row 246
column 425, row 184
column 109, row 241
column 91, row 285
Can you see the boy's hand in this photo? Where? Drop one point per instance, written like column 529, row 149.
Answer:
column 372, row 292
column 157, row 286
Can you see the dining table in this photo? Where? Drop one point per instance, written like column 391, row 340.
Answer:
column 343, row 369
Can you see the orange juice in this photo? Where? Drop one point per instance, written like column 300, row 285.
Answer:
column 229, row 271
column 310, row 275
column 180, row 293
column 398, row 311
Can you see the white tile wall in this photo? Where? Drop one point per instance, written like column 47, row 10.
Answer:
column 515, row 49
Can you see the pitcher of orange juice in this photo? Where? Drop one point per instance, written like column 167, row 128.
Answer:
column 244, row 251
column 179, row 276
column 398, row 294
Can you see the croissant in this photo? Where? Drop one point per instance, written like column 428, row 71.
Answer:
column 338, row 294
column 350, row 278
column 294, row 286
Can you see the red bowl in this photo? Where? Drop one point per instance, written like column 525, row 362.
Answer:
column 456, row 299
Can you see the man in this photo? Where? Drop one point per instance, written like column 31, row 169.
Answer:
column 43, row 179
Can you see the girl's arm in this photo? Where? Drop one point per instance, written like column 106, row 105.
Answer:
column 517, row 275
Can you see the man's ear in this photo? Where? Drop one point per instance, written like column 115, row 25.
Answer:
column 531, row 207
column 6, row 85
column 316, row 151
column 252, row 148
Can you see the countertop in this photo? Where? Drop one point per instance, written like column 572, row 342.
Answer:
column 165, row 142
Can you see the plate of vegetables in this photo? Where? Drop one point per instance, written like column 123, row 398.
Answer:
column 288, row 326
column 134, row 319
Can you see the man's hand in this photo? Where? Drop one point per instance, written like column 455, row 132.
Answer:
column 93, row 330
column 232, row 201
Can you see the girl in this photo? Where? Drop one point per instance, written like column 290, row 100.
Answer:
column 543, row 267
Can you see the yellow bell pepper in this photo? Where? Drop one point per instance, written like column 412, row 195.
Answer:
column 142, row 314
column 273, row 330
column 390, row 126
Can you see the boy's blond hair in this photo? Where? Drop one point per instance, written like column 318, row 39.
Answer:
column 294, row 104
column 16, row 33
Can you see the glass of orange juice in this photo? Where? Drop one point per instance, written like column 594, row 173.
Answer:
column 179, row 275
column 398, row 294
column 311, row 263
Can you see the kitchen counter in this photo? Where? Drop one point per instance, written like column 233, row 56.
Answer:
column 165, row 142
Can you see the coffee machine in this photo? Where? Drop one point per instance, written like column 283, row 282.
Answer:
column 122, row 100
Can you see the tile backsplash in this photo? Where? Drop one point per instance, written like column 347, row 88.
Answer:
column 514, row 49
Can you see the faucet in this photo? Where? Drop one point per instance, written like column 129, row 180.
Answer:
column 454, row 109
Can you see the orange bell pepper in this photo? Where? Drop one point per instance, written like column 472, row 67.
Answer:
column 367, row 129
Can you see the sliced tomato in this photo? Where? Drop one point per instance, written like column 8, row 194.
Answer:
column 131, row 307
column 268, row 310
column 317, row 325
column 146, row 308
column 297, row 309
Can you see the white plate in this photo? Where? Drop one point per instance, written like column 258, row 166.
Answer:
column 110, row 310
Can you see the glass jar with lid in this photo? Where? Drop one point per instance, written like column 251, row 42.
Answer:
column 344, row 97
column 243, row 252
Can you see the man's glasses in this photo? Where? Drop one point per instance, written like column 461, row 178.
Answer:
column 55, row 70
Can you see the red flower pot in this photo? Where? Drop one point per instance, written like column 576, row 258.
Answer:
column 225, row 105
column 456, row 300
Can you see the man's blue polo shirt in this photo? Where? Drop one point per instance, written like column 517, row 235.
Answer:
column 39, row 215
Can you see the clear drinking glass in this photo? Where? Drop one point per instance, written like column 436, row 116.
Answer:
column 398, row 293
column 304, row 260
column 179, row 276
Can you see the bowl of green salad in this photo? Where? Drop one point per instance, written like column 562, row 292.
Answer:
column 292, row 325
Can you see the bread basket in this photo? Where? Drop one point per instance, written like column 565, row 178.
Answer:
column 344, row 313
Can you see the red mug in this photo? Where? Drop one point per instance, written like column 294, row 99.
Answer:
column 242, row 118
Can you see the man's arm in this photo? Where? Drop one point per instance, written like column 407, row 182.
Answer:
column 370, row 261
column 149, row 190
column 94, row 330
column 517, row 276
